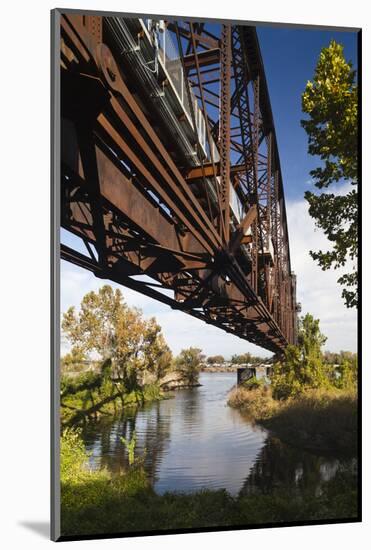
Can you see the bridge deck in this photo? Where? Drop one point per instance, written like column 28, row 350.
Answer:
column 170, row 171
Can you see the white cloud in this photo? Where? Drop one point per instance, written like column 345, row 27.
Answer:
column 180, row 330
column 318, row 290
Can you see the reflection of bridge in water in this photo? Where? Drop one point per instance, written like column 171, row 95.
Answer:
column 170, row 170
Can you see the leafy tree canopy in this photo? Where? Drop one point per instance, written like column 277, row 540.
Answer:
column 303, row 367
column 73, row 360
column 215, row 359
column 247, row 357
column 330, row 101
column 107, row 326
column 188, row 363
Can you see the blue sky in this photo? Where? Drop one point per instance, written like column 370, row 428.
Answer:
column 290, row 57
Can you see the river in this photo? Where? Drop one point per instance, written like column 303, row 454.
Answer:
column 195, row 441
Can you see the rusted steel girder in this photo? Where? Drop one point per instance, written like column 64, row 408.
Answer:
column 151, row 176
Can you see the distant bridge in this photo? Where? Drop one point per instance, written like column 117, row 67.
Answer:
column 170, row 172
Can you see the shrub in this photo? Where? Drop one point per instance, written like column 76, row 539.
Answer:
column 256, row 403
column 84, row 381
column 130, row 447
column 73, row 456
column 253, row 383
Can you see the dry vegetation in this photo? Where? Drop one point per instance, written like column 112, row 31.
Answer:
column 319, row 420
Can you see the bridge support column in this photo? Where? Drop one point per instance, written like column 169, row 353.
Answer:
column 244, row 374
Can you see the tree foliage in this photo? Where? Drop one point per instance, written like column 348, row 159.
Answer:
column 336, row 358
column 73, row 360
column 188, row 363
column 215, row 359
column 74, row 457
column 303, row 367
column 247, row 357
column 346, row 375
column 330, row 100
column 106, row 326
column 130, row 445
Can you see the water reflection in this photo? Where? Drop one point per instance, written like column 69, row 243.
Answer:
column 103, row 439
column 195, row 441
column 281, row 466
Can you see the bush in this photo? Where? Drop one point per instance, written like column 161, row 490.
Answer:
column 73, row 456
column 90, row 394
column 253, row 383
column 257, row 403
column 82, row 382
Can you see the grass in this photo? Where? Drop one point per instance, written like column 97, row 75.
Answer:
column 100, row 507
column 99, row 502
column 317, row 420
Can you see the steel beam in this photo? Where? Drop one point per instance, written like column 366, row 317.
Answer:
column 142, row 208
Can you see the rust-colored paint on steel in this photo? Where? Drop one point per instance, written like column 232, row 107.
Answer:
column 225, row 127
column 149, row 193
column 208, row 132
column 205, row 59
column 207, row 171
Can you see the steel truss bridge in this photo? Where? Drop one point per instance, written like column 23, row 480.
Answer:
column 170, row 173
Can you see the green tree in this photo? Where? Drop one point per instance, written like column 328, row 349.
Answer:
column 330, row 100
column 345, row 370
column 247, row 357
column 158, row 356
column 105, row 325
column 188, row 363
column 242, row 358
column 333, row 358
column 93, row 327
column 303, row 367
column 74, row 360
column 310, row 337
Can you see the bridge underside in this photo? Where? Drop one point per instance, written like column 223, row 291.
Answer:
column 170, row 172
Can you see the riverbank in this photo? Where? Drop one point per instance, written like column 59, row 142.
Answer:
column 90, row 395
column 85, row 403
column 101, row 502
column 320, row 421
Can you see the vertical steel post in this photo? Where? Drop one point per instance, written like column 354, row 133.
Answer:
column 255, row 145
column 224, row 126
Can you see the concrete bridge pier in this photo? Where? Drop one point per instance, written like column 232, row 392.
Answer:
column 259, row 371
